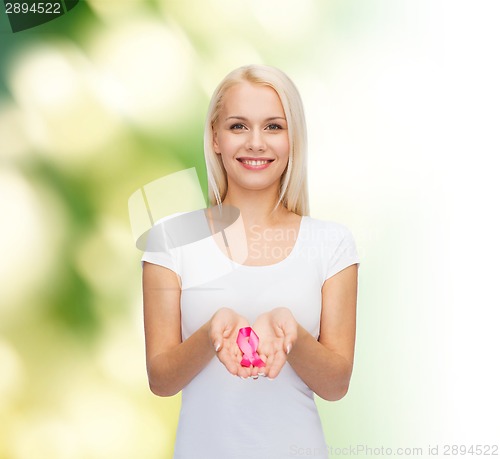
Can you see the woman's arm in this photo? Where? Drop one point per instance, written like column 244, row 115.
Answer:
column 325, row 365
column 171, row 362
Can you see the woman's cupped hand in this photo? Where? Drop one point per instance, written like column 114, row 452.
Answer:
column 277, row 333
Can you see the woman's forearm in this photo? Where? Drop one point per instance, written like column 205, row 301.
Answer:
column 170, row 371
column 323, row 370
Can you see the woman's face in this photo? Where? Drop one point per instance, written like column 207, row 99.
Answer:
column 251, row 135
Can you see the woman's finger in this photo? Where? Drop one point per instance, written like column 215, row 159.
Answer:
column 278, row 360
column 268, row 359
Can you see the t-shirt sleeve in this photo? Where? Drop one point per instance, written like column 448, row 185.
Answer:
column 343, row 253
column 159, row 249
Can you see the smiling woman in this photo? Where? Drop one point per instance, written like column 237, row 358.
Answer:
column 271, row 82
column 251, row 134
column 299, row 277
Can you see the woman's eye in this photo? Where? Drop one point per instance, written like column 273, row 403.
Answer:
column 236, row 127
column 274, row 127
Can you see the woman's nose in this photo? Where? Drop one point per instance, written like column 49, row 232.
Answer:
column 256, row 141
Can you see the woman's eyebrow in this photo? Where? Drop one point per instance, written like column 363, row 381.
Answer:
column 242, row 118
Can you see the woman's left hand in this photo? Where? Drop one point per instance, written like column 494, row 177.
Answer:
column 277, row 332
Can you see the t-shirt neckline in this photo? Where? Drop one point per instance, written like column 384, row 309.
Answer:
column 291, row 255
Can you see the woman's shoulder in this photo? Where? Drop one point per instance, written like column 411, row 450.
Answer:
column 335, row 241
column 326, row 233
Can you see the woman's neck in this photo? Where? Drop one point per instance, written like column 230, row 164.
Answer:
column 256, row 208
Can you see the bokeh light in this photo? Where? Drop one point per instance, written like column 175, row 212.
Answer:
column 13, row 131
column 148, row 70
column 63, row 115
column 32, row 226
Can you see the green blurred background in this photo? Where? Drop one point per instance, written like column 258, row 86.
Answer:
column 401, row 99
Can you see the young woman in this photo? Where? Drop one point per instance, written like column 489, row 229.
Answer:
column 288, row 276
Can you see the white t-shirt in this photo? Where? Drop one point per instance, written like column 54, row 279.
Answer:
column 223, row 416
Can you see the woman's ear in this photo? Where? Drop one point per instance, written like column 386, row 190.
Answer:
column 215, row 142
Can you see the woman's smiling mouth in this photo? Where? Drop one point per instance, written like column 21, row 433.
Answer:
column 255, row 164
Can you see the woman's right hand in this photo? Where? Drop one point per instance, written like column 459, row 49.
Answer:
column 223, row 332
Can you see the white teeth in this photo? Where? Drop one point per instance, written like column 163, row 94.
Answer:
column 254, row 163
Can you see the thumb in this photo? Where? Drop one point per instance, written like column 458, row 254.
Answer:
column 216, row 338
column 289, row 340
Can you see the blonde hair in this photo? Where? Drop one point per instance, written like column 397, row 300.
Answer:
column 293, row 185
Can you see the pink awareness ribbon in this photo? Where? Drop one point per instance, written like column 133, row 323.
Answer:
column 248, row 342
